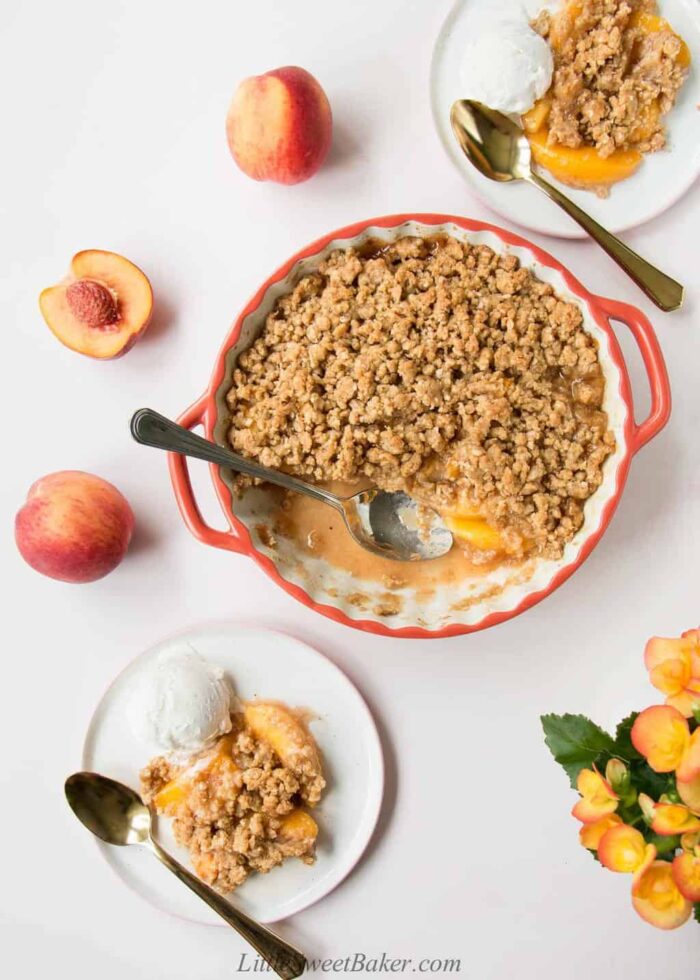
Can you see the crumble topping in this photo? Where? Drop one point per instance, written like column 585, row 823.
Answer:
column 613, row 80
column 230, row 814
column 437, row 367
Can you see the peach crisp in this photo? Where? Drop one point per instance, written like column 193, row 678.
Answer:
column 618, row 68
column 440, row 368
column 239, row 806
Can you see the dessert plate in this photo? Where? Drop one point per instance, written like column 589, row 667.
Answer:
column 660, row 181
column 259, row 663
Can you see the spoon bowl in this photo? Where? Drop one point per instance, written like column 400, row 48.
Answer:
column 391, row 525
column 500, row 150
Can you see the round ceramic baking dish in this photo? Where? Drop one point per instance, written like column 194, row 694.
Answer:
column 473, row 604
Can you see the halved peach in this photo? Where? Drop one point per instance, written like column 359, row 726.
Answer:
column 656, row 897
column 582, row 166
column 298, row 825
column 102, row 307
column 284, row 733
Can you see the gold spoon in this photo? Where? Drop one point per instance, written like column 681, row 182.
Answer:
column 500, row 150
column 117, row 815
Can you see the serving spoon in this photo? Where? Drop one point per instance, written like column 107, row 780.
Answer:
column 500, row 150
column 387, row 524
column 118, row 815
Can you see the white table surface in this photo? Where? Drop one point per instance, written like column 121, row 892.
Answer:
column 113, row 119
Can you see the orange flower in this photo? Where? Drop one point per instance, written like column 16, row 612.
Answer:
column 674, row 669
column 668, row 819
column 598, row 798
column 662, row 735
column 623, row 849
column 657, row 898
column 689, row 792
column 591, row 834
column 686, row 867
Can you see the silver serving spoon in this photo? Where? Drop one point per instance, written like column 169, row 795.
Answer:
column 387, row 524
column 500, row 150
column 117, row 815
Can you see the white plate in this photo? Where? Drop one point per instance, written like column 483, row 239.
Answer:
column 660, row 181
column 271, row 665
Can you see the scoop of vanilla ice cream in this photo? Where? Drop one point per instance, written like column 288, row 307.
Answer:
column 507, row 65
column 180, row 703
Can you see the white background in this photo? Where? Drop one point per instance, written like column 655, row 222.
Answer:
column 112, row 122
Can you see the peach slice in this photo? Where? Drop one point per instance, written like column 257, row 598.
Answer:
column 686, row 874
column 475, row 532
column 102, row 307
column 217, row 765
column 536, row 118
column 598, row 798
column 298, row 825
column 623, row 849
column 656, row 897
column 582, row 166
column 591, row 834
column 284, row 733
column 650, row 23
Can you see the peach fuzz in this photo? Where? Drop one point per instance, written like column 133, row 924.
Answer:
column 102, row 307
column 597, row 797
column 686, row 874
column 623, row 849
column 279, row 126
column 591, row 834
column 74, row 527
column 656, row 898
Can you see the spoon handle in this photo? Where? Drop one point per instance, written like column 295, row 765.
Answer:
column 287, row 961
column 152, row 429
column 665, row 292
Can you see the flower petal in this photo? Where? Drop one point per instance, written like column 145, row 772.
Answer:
column 686, row 874
column 662, row 735
column 689, row 767
column 673, row 818
column 623, row 849
column 597, row 797
column 591, row 834
column 690, row 793
column 656, row 898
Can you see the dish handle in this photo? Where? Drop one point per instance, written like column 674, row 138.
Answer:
column 182, row 485
column 649, row 348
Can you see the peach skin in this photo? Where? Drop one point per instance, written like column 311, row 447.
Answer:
column 598, row 798
column 279, row 126
column 674, row 669
column 591, row 834
column 102, row 307
column 74, row 527
column 656, row 897
column 623, row 849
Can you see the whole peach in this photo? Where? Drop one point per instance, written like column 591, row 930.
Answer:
column 74, row 526
column 279, row 126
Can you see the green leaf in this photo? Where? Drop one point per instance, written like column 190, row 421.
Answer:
column 623, row 739
column 575, row 742
column 654, row 784
column 697, row 911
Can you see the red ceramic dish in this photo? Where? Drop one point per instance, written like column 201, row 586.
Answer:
column 516, row 597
